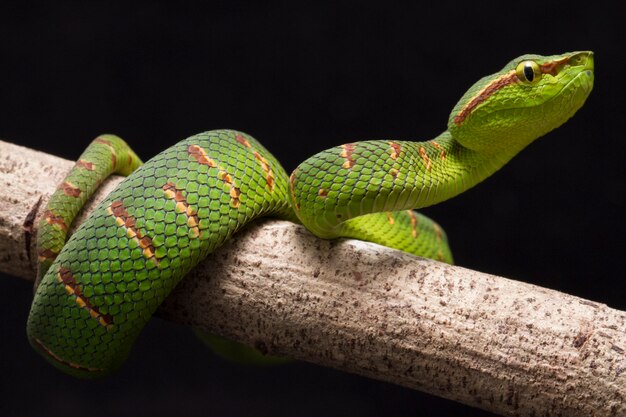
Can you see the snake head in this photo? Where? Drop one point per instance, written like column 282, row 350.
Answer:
column 530, row 96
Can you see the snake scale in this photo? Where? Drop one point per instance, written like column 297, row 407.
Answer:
column 96, row 291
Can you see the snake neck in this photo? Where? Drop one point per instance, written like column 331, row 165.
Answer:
column 351, row 180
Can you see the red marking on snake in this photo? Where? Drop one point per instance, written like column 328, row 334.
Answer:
column 103, row 140
column 269, row 175
column 292, row 182
column 393, row 172
column 322, row 193
column 225, row 176
column 553, row 67
column 234, row 196
column 438, row 232
column 70, row 189
column 53, row 219
column 396, row 149
column 233, row 191
column 413, row 223
column 111, row 148
column 66, row 277
column 346, row 152
column 425, row 158
column 389, row 218
column 487, row 91
column 57, row 358
column 200, row 156
column 242, row 140
column 182, row 206
column 47, row 254
column 81, row 163
column 442, row 154
column 123, row 219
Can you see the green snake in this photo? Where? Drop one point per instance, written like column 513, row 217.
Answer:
column 96, row 291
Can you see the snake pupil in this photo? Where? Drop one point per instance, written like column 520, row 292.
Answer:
column 529, row 73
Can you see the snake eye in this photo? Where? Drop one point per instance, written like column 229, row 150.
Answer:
column 528, row 72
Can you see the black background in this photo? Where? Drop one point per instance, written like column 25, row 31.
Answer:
column 302, row 78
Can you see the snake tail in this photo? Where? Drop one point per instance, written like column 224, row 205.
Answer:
column 106, row 155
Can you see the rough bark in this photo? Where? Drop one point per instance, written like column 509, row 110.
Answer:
column 504, row 346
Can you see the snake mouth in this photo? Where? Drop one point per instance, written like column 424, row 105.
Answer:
column 584, row 78
column 581, row 82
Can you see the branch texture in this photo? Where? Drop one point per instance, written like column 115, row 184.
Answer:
column 505, row 346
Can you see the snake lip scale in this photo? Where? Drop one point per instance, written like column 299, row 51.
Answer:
column 96, row 290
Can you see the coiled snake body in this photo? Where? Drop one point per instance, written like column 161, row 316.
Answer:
column 97, row 291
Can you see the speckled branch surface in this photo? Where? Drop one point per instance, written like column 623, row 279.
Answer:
column 505, row 346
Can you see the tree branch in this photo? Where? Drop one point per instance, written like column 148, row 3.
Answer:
column 489, row 342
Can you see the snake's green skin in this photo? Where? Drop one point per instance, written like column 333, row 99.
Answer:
column 107, row 154
column 101, row 289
